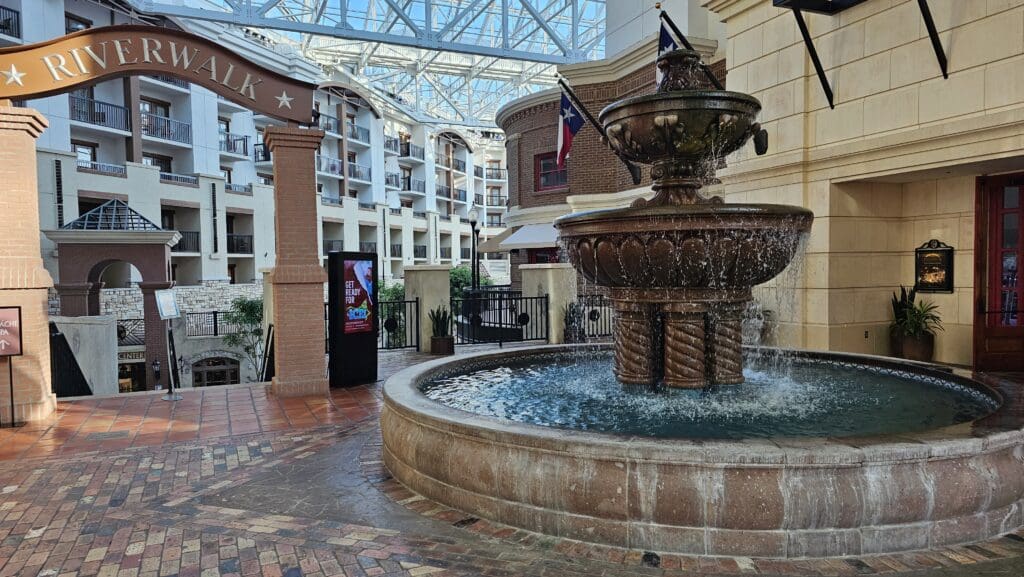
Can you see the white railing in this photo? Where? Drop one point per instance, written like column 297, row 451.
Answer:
column 103, row 168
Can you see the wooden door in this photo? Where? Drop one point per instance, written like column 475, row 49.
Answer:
column 999, row 293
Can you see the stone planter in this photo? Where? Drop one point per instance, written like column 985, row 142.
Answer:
column 442, row 345
column 920, row 348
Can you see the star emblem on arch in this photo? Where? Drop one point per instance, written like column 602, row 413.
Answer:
column 284, row 101
column 13, row 76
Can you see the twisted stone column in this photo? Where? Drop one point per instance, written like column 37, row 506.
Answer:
column 634, row 346
column 684, row 346
column 727, row 343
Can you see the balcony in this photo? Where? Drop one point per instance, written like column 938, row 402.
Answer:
column 395, row 211
column 393, row 179
column 409, row 150
column 459, row 165
column 102, row 168
column 10, row 22
column 99, row 113
column 190, row 242
column 333, row 246
column 329, row 123
column 446, row 252
column 330, row 199
column 179, row 179
column 239, row 244
column 328, row 165
column 466, row 253
column 495, row 223
column 396, row 251
column 245, row 189
column 478, row 171
column 367, row 247
column 497, row 173
column 358, row 171
column 368, row 206
column 478, row 199
column 166, row 128
column 460, row 194
column 442, row 160
column 392, row 145
column 414, row 185
column 445, row 217
column 442, row 190
column 419, row 214
column 501, row 201
column 234, row 143
column 357, row 133
column 419, row 251
column 172, row 80
column 261, row 153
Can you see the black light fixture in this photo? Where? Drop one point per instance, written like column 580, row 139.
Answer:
column 156, row 370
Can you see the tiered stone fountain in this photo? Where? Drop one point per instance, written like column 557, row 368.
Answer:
column 680, row 266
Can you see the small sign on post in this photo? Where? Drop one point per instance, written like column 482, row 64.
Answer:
column 167, row 306
column 10, row 346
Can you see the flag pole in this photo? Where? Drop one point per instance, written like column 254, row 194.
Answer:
column 686, row 43
column 634, row 170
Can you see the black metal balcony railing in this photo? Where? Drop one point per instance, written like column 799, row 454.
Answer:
column 356, row 132
column 358, row 171
column 496, row 223
column 391, row 144
column 210, row 324
column 329, row 123
column 131, row 332
column 478, row 199
column 172, row 80
column 446, row 252
column 466, row 253
column 240, row 243
column 261, row 153
column 497, row 200
column 442, row 160
column 460, row 194
column 333, row 246
column 395, row 211
column 419, row 214
column 393, row 179
column 414, row 185
column 497, row 173
column 166, row 128
column 330, row 165
column 459, row 165
column 190, row 242
column 396, row 250
column 234, row 143
column 443, row 190
column 238, row 188
column 478, row 171
column 102, row 168
column 367, row 206
column 179, row 179
column 367, row 247
column 419, row 251
column 99, row 113
column 10, row 22
column 410, row 150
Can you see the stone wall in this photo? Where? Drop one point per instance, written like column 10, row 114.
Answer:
column 126, row 303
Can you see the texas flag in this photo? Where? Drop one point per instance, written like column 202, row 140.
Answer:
column 666, row 43
column 570, row 121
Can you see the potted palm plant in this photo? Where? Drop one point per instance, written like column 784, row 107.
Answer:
column 441, row 340
column 899, row 307
column 917, row 331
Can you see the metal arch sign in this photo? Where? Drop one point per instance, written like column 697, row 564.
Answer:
column 91, row 55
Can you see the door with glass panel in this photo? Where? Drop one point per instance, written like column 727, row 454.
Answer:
column 999, row 324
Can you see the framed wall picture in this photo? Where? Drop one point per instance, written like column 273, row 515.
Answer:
column 933, row 267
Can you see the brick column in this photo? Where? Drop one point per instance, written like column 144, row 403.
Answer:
column 23, row 280
column 79, row 299
column 156, row 333
column 298, row 277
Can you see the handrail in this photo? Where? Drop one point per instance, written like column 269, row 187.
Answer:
column 99, row 113
column 166, row 128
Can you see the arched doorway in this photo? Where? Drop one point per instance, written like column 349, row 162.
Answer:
column 216, row 371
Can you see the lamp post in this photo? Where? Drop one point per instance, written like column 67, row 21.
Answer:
column 473, row 221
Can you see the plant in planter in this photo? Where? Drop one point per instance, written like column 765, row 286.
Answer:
column 899, row 308
column 917, row 331
column 441, row 340
column 574, row 331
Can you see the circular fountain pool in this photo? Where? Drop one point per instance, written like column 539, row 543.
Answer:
column 805, row 397
column 841, row 455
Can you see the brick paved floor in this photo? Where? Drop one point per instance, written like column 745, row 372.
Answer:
column 233, row 481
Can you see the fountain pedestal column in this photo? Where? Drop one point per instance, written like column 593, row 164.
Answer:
column 634, row 346
column 684, row 345
column 726, row 342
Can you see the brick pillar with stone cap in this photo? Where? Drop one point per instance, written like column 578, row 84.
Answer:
column 298, row 277
column 23, row 280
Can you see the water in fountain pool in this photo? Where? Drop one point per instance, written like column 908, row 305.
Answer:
column 810, row 399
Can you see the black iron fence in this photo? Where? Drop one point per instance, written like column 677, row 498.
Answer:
column 10, row 22
column 499, row 316
column 240, row 243
column 596, row 316
column 190, row 242
column 166, row 128
column 261, row 153
column 131, row 332
column 399, row 325
column 99, row 113
column 208, row 324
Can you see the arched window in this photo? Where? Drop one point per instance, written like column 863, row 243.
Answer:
column 215, row 371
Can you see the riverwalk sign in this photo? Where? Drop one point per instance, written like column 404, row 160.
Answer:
column 10, row 332
column 88, row 56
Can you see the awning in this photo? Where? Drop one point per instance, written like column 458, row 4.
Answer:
column 526, row 236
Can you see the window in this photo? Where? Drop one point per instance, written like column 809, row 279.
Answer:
column 546, row 172
column 74, row 23
column 167, row 219
column 542, row 255
column 225, row 173
column 353, row 193
column 163, row 162
column 155, row 107
column 223, row 125
column 215, row 371
column 265, row 179
column 351, row 157
column 85, row 151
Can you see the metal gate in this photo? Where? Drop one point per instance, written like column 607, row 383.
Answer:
column 596, row 315
column 499, row 317
column 399, row 324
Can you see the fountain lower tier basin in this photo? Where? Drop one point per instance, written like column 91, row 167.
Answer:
column 938, row 477
column 688, row 246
